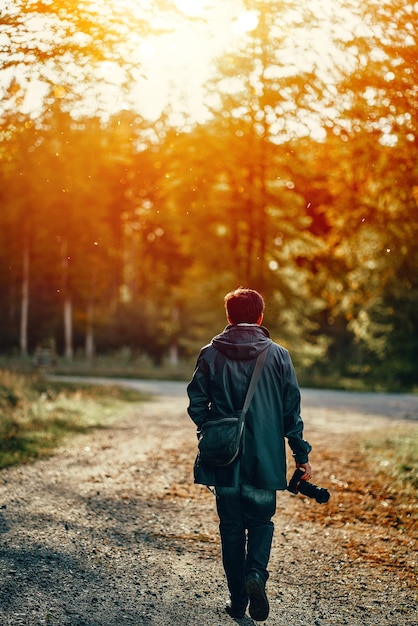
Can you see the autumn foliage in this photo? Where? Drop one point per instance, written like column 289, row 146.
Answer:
column 117, row 230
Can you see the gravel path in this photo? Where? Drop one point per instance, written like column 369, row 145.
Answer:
column 111, row 531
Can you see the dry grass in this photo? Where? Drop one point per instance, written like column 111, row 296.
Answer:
column 36, row 415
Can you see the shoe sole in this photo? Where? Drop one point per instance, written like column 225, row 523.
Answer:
column 235, row 614
column 259, row 604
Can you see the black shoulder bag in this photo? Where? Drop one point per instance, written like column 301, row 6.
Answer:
column 220, row 438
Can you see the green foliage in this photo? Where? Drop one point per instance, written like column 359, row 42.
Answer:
column 36, row 415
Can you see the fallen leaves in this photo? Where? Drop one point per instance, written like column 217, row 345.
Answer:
column 378, row 513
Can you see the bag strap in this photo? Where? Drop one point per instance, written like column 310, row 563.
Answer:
column 254, row 379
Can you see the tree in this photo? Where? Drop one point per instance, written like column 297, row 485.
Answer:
column 374, row 183
column 67, row 50
column 301, row 184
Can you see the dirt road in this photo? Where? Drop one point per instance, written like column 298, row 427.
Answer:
column 111, row 530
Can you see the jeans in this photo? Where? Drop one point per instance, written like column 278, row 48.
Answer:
column 246, row 532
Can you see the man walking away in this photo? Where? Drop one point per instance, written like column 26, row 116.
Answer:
column 246, row 489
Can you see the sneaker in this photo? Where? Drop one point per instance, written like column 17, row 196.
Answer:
column 259, row 604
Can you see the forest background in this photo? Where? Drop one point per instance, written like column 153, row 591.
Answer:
column 277, row 151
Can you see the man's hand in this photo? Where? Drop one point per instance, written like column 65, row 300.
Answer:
column 307, row 468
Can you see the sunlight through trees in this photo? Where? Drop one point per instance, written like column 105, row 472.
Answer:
column 154, row 156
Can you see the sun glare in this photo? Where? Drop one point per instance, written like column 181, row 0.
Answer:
column 190, row 7
column 180, row 60
column 172, row 65
column 245, row 22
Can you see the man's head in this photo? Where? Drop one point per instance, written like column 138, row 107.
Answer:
column 244, row 306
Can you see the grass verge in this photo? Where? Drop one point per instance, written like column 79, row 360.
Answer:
column 36, row 415
column 395, row 455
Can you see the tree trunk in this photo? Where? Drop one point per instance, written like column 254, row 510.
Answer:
column 174, row 354
column 89, row 331
column 68, row 327
column 68, row 305
column 24, row 313
column 173, row 350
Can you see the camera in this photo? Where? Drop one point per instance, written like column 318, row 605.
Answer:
column 296, row 485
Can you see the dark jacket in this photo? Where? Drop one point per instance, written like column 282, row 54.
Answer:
column 219, row 385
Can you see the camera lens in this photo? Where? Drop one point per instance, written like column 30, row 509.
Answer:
column 312, row 491
column 307, row 489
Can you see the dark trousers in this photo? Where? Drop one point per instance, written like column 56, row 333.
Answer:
column 246, row 531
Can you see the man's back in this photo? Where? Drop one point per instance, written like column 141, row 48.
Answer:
column 220, row 382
